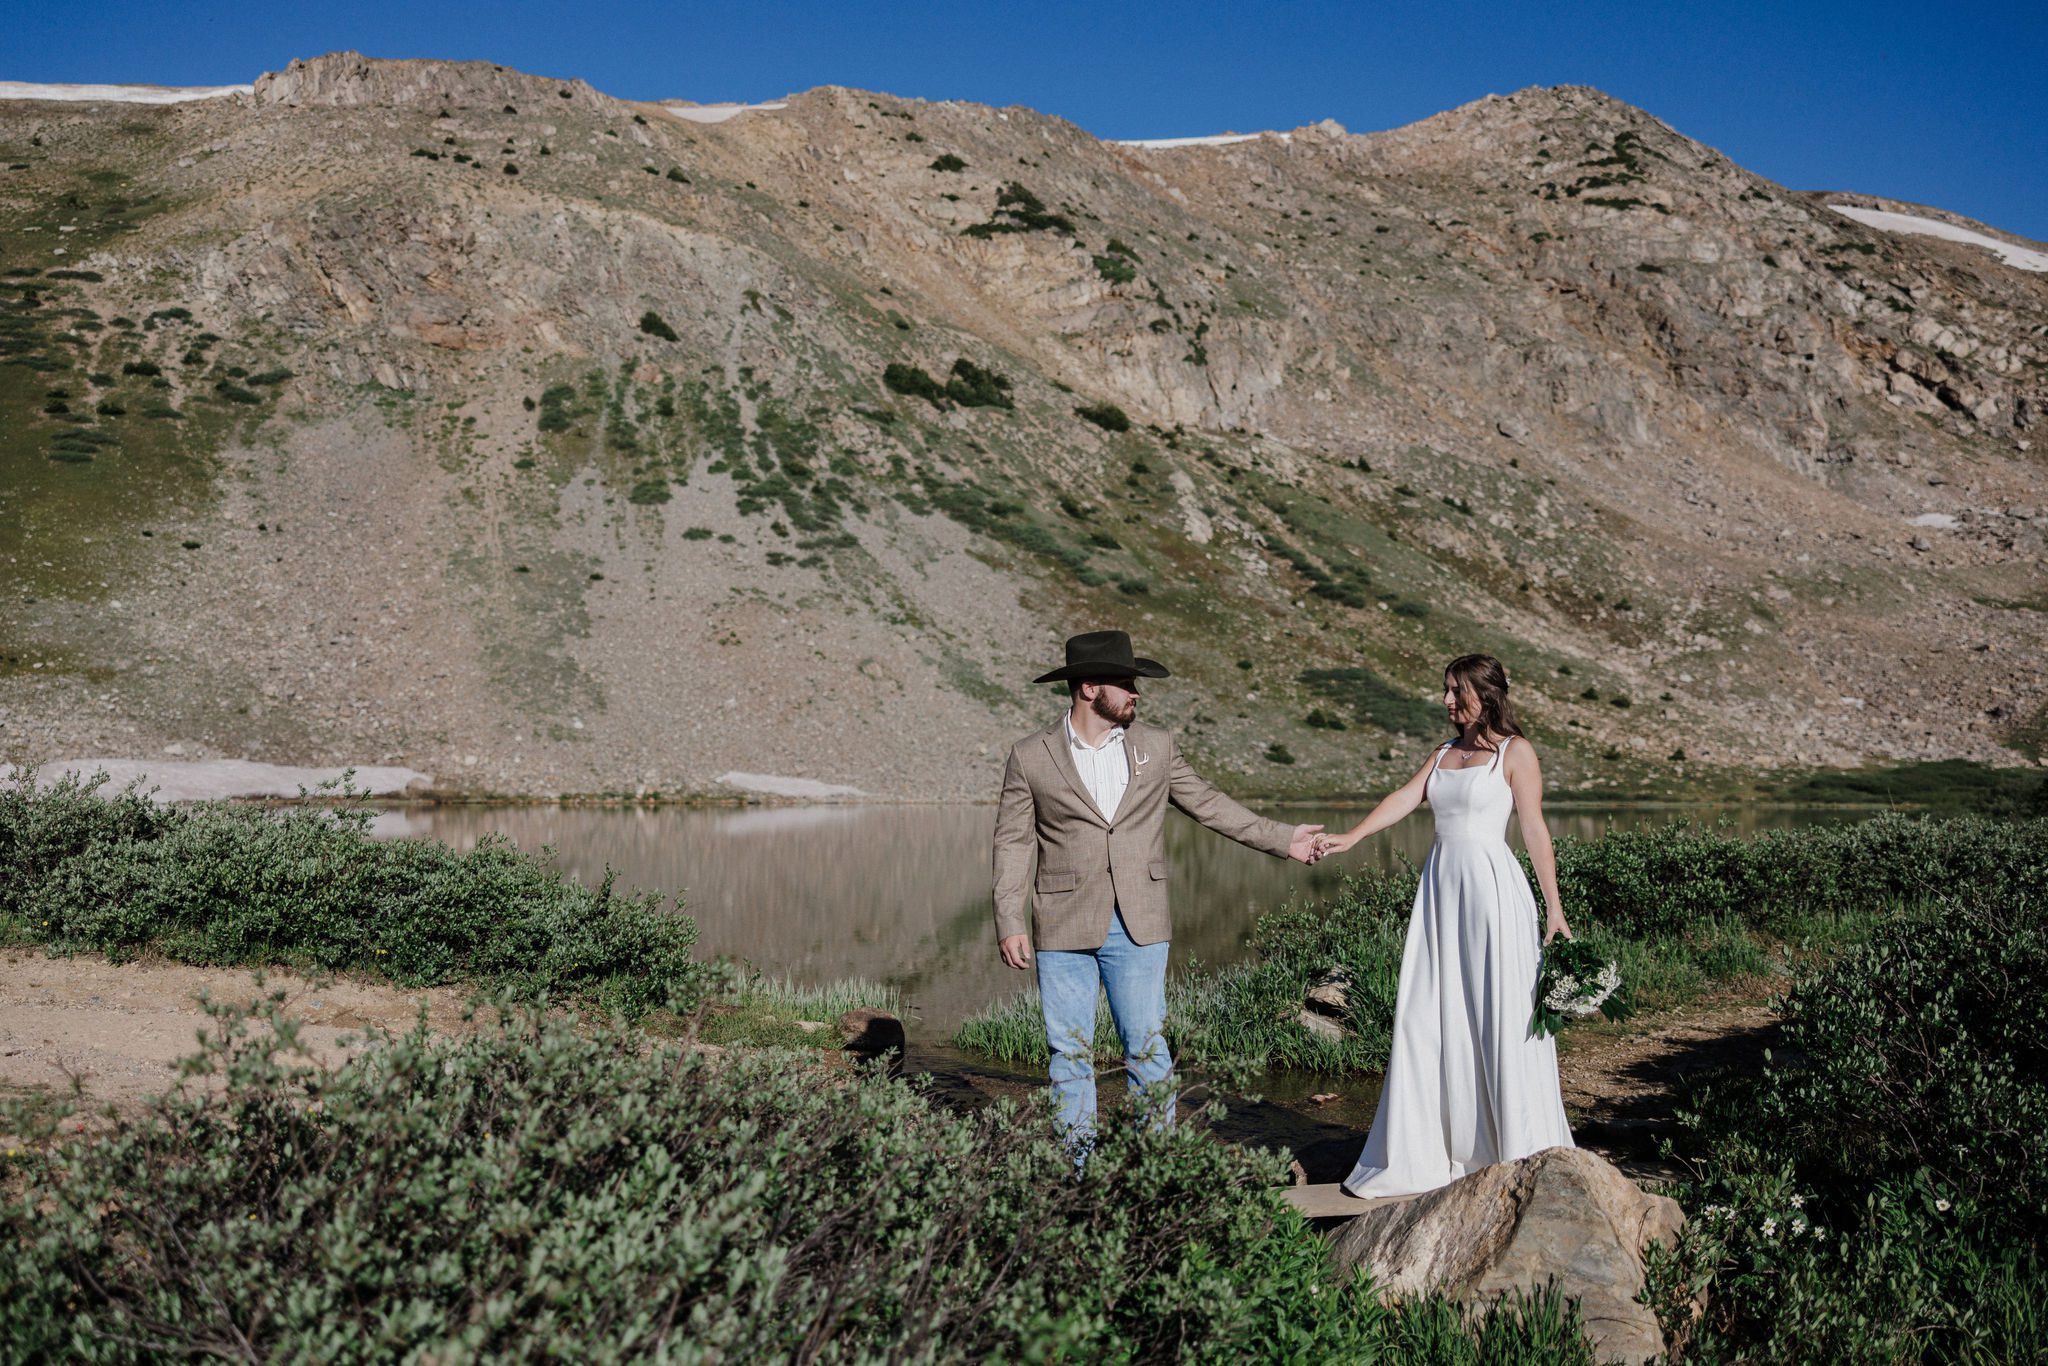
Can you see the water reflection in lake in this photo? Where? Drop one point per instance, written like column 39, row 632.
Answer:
column 900, row 893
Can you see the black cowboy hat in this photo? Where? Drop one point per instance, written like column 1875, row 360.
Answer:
column 1102, row 654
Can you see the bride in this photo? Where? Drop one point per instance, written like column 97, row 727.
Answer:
column 1467, row 1083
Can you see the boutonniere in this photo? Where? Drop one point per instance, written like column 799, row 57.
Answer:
column 1138, row 761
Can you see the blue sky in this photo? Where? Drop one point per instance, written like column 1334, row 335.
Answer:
column 1943, row 105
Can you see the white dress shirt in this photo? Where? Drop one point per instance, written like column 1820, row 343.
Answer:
column 1104, row 770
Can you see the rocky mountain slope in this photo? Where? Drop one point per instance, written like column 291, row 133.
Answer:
column 442, row 415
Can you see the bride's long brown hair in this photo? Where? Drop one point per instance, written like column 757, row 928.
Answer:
column 1487, row 678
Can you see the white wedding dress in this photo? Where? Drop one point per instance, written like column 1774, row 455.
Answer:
column 1467, row 1084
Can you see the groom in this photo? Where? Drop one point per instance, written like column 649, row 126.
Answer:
column 1090, row 793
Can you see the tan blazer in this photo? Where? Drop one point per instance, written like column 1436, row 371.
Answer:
column 1088, row 866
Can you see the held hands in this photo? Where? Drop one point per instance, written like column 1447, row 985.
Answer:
column 1016, row 950
column 1333, row 844
column 1306, row 846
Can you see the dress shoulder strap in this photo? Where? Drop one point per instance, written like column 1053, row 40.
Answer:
column 1501, row 754
column 1438, row 757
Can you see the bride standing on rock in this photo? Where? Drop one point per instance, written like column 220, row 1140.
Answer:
column 1468, row 1084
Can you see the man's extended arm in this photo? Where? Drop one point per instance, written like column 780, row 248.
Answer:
column 1199, row 798
column 1014, row 840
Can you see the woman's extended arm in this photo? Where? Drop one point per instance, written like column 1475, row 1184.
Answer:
column 1525, row 779
column 1397, row 804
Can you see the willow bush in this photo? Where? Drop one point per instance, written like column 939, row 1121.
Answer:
column 532, row 1191
column 306, row 887
column 1880, row 1191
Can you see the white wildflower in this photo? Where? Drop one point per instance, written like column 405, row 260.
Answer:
column 1941, row 1206
column 1770, row 1228
column 1563, row 994
column 1798, row 1202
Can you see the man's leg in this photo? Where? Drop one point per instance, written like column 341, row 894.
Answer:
column 1135, row 976
column 1069, row 985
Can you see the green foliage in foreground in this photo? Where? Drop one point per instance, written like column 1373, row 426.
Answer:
column 533, row 1192
column 1683, row 910
column 1880, row 1192
column 308, row 888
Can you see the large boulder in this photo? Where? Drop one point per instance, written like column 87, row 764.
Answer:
column 1563, row 1215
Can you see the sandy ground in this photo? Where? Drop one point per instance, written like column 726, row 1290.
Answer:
column 120, row 1029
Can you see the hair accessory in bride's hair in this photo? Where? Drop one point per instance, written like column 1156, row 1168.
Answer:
column 1503, row 678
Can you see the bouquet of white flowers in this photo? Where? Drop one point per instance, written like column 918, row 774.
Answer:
column 1575, row 981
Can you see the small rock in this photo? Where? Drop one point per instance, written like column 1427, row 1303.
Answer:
column 871, row 1033
column 810, row 1026
column 1322, row 1026
column 1330, row 991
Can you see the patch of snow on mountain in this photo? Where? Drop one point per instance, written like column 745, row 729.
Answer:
column 717, row 113
column 118, row 94
column 1213, row 140
column 775, row 785
column 2021, row 258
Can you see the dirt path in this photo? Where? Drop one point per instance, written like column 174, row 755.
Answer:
column 120, row 1029
column 1623, row 1082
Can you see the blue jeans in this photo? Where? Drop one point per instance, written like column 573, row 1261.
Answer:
column 1070, row 981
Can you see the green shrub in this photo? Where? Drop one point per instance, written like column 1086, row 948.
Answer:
column 557, row 408
column 1115, row 269
column 948, row 162
column 650, row 492
column 675, row 173
column 533, row 1193
column 235, row 393
column 1924, row 1053
column 277, row 375
column 970, row 386
column 141, row 367
column 651, row 323
column 89, row 276
column 1880, row 1191
column 913, row 382
column 1660, row 880
column 1319, row 719
column 1107, row 416
column 1019, row 210
column 1277, row 753
column 308, row 888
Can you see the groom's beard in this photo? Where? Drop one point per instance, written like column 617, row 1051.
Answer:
column 1116, row 716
